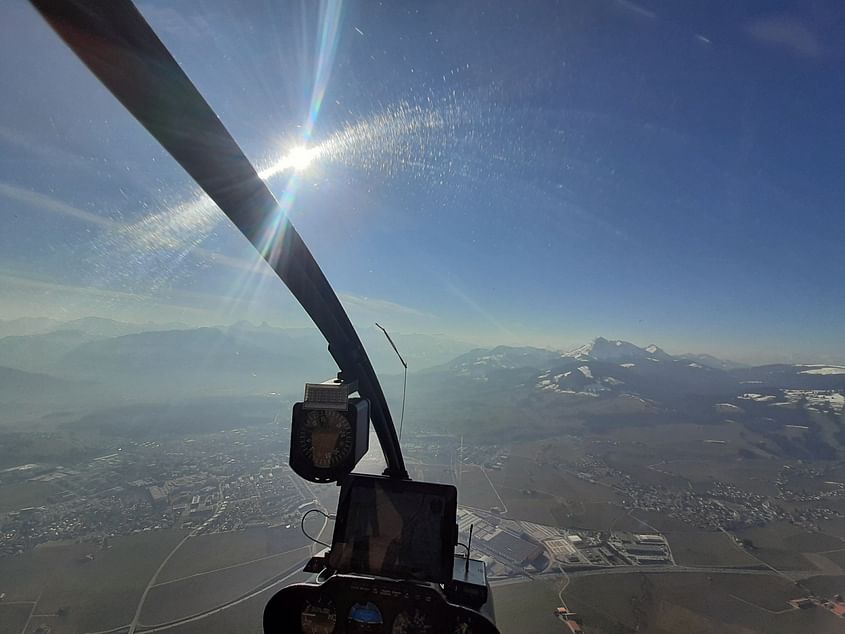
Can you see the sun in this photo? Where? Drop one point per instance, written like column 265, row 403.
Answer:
column 298, row 158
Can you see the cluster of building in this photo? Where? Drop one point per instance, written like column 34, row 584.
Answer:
column 722, row 506
column 640, row 549
column 835, row 605
column 223, row 481
column 511, row 547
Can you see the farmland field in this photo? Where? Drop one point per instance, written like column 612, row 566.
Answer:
column 702, row 548
column 95, row 589
column 217, row 550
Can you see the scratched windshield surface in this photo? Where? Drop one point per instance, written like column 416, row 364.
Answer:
column 605, row 236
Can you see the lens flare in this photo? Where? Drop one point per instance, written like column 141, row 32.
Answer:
column 297, row 159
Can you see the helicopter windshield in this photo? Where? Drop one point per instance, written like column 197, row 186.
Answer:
column 605, row 236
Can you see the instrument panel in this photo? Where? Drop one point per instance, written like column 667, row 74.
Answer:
column 351, row 604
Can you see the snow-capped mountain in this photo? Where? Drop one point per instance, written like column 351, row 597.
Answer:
column 601, row 349
column 606, row 368
column 509, row 392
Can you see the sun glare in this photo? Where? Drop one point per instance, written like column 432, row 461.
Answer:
column 299, row 158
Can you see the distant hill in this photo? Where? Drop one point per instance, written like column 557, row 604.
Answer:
column 27, row 326
column 97, row 326
column 508, row 393
column 18, row 385
column 40, row 352
column 503, row 391
column 29, row 393
column 711, row 362
column 199, row 361
column 100, row 327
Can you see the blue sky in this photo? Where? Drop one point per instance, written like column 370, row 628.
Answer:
column 538, row 173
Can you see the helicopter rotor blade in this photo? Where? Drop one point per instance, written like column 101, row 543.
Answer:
column 112, row 38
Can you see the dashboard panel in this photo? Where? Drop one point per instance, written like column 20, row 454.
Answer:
column 353, row 604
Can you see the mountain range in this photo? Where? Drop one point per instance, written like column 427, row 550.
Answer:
column 94, row 364
column 508, row 392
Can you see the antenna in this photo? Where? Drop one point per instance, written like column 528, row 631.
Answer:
column 405, row 380
column 469, row 545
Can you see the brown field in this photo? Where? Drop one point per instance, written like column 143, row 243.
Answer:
column 20, row 495
column 655, row 474
column 823, row 564
column 783, row 559
column 217, row 550
column 244, row 617
column 599, row 516
column 475, row 490
column 703, row 548
column 183, row 598
column 524, row 473
column 692, row 602
column 663, row 523
column 687, row 439
column 769, row 592
column 531, row 507
column 785, row 535
column 837, row 557
column 99, row 594
column 806, row 542
column 781, row 545
column 755, row 476
column 608, row 603
column 523, row 608
column 834, row 527
column 13, row 617
column 825, row 585
column 436, row 473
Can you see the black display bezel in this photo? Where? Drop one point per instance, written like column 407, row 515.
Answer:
column 441, row 570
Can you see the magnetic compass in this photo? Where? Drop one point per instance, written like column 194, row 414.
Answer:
column 328, row 436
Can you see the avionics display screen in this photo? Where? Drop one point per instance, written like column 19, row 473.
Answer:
column 395, row 528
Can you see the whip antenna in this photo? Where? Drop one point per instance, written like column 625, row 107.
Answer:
column 405, row 380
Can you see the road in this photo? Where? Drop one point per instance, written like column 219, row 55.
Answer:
column 134, row 624
column 492, row 486
column 287, row 574
column 623, row 570
column 564, row 584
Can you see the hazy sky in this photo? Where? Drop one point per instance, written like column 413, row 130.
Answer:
column 510, row 172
